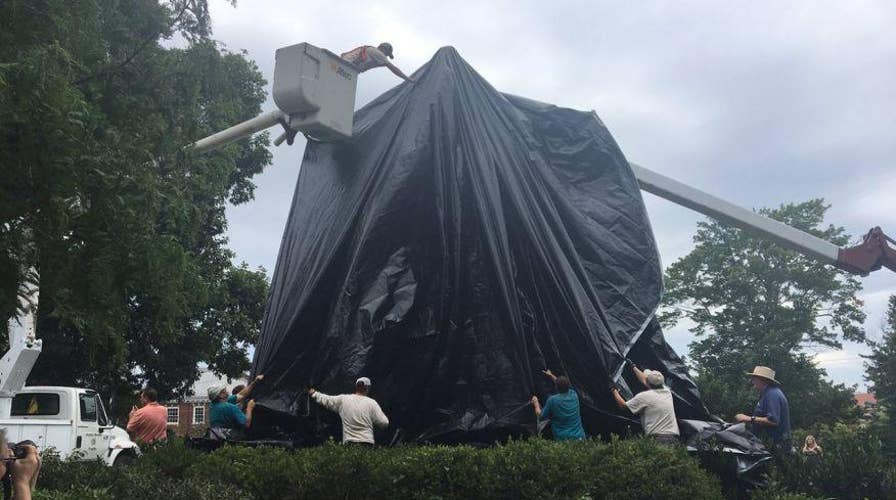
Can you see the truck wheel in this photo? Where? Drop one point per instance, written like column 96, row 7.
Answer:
column 125, row 459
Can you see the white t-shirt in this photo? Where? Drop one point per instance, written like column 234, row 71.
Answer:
column 656, row 410
column 358, row 413
column 366, row 57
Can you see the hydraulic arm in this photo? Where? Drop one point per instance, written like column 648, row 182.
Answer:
column 872, row 254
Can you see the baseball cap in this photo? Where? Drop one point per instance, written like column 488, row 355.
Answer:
column 386, row 48
column 363, row 381
column 214, row 390
column 654, row 378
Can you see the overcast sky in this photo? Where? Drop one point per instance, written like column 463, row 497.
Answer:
column 759, row 104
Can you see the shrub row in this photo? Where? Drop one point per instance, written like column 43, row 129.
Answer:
column 854, row 466
column 532, row 468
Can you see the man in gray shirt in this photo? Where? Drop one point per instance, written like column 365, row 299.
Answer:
column 359, row 413
column 653, row 405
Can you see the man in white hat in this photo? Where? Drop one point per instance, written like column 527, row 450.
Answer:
column 654, row 405
column 772, row 413
column 359, row 413
column 367, row 57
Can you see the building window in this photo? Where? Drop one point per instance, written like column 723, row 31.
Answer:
column 173, row 414
column 199, row 414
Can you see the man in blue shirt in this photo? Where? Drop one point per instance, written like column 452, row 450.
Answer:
column 562, row 409
column 224, row 415
column 772, row 413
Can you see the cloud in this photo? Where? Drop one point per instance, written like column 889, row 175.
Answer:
column 835, row 358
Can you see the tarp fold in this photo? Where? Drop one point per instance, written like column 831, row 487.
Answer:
column 461, row 242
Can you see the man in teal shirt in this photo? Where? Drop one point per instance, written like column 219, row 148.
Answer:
column 224, row 415
column 562, row 409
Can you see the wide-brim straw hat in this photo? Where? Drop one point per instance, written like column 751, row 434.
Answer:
column 765, row 373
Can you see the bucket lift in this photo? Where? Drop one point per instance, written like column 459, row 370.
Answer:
column 315, row 91
column 24, row 348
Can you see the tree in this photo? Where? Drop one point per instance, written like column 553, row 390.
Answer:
column 125, row 227
column 755, row 303
column 881, row 372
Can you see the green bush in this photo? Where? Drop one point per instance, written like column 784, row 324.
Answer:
column 854, row 466
column 780, row 494
column 527, row 469
column 59, row 475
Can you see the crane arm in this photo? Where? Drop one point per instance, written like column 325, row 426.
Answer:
column 24, row 349
column 872, row 254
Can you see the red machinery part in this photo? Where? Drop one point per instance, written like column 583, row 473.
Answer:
column 873, row 253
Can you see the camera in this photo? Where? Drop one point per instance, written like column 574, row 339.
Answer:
column 19, row 450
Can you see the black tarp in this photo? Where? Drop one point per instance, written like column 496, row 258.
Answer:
column 462, row 241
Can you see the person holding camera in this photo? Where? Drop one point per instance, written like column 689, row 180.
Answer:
column 19, row 468
column 149, row 423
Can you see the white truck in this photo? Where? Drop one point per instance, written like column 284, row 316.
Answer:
column 71, row 420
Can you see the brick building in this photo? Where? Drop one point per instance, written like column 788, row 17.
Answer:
column 868, row 404
column 189, row 415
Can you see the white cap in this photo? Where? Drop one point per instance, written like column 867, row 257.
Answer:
column 363, row 381
column 654, row 378
column 215, row 390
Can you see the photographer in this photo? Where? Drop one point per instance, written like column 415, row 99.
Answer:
column 19, row 467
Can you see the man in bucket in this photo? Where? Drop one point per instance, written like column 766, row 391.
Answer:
column 367, row 57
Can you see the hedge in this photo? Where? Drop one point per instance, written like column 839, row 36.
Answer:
column 528, row 469
column 854, row 466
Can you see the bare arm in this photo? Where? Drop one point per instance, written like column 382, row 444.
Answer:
column 240, row 396
column 740, row 417
column 537, row 406
column 535, row 402
column 24, row 473
column 640, row 375
column 764, row 421
column 250, row 409
column 394, row 69
column 620, row 401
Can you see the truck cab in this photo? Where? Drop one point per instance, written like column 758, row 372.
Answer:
column 71, row 420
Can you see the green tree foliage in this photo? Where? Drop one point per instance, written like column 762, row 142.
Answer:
column 752, row 302
column 125, row 228
column 881, row 371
